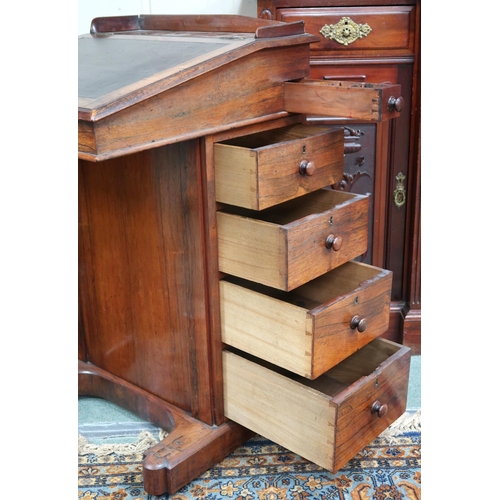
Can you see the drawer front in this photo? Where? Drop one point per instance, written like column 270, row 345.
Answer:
column 351, row 100
column 290, row 244
column 313, row 328
column 264, row 169
column 308, row 417
column 369, row 73
column 357, row 419
column 358, row 31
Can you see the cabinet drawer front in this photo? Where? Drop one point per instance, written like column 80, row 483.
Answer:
column 313, row 328
column 294, row 242
column 309, row 417
column 390, row 29
column 261, row 170
column 371, row 73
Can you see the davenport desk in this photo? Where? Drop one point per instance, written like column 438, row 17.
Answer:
column 219, row 292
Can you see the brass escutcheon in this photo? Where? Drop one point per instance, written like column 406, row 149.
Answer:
column 400, row 192
column 345, row 31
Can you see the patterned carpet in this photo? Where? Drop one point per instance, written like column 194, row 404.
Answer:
column 387, row 469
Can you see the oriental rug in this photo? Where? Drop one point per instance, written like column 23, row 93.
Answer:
column 387, row 469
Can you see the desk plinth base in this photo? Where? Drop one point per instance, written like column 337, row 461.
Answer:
column 191, row 446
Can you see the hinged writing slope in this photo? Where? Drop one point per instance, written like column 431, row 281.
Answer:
column 143, row 83
column 360, row 101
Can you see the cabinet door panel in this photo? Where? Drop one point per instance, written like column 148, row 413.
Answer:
column 376, row 167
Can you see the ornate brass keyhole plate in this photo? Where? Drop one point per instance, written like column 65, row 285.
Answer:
column 345, row 31
column 400, row 192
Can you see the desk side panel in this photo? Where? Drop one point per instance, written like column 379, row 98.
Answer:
column 142, row 273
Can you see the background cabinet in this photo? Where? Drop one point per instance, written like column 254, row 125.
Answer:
column 375, row 42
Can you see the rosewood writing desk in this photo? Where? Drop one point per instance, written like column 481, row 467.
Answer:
column 217, row 276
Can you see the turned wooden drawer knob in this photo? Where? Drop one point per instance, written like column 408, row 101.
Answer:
column 395, row 104
column 307, row 167
column 379, row 409
column 359, row 323
column 334, row 242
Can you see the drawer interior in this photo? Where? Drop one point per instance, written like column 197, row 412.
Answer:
column 293, row 210
column 326, row 420
column 363, row 363
column 320, row 291
column 280, row 135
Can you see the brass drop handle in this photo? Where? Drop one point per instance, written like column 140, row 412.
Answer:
column 307, row 167
column 395, row 104
column 379, row 409
column 400, row 192
column 333, row 242
column 359, row 323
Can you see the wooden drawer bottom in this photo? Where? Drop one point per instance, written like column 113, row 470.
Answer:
column 327, row 420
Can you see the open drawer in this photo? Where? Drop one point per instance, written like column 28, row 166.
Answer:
column 357, row 100
column 312, row 328
column 260, row 170
column 294, row 242
column 327, row 420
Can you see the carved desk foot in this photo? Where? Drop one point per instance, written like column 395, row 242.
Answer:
column 191, row 446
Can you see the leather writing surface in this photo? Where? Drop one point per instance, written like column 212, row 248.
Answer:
column 108, row 64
